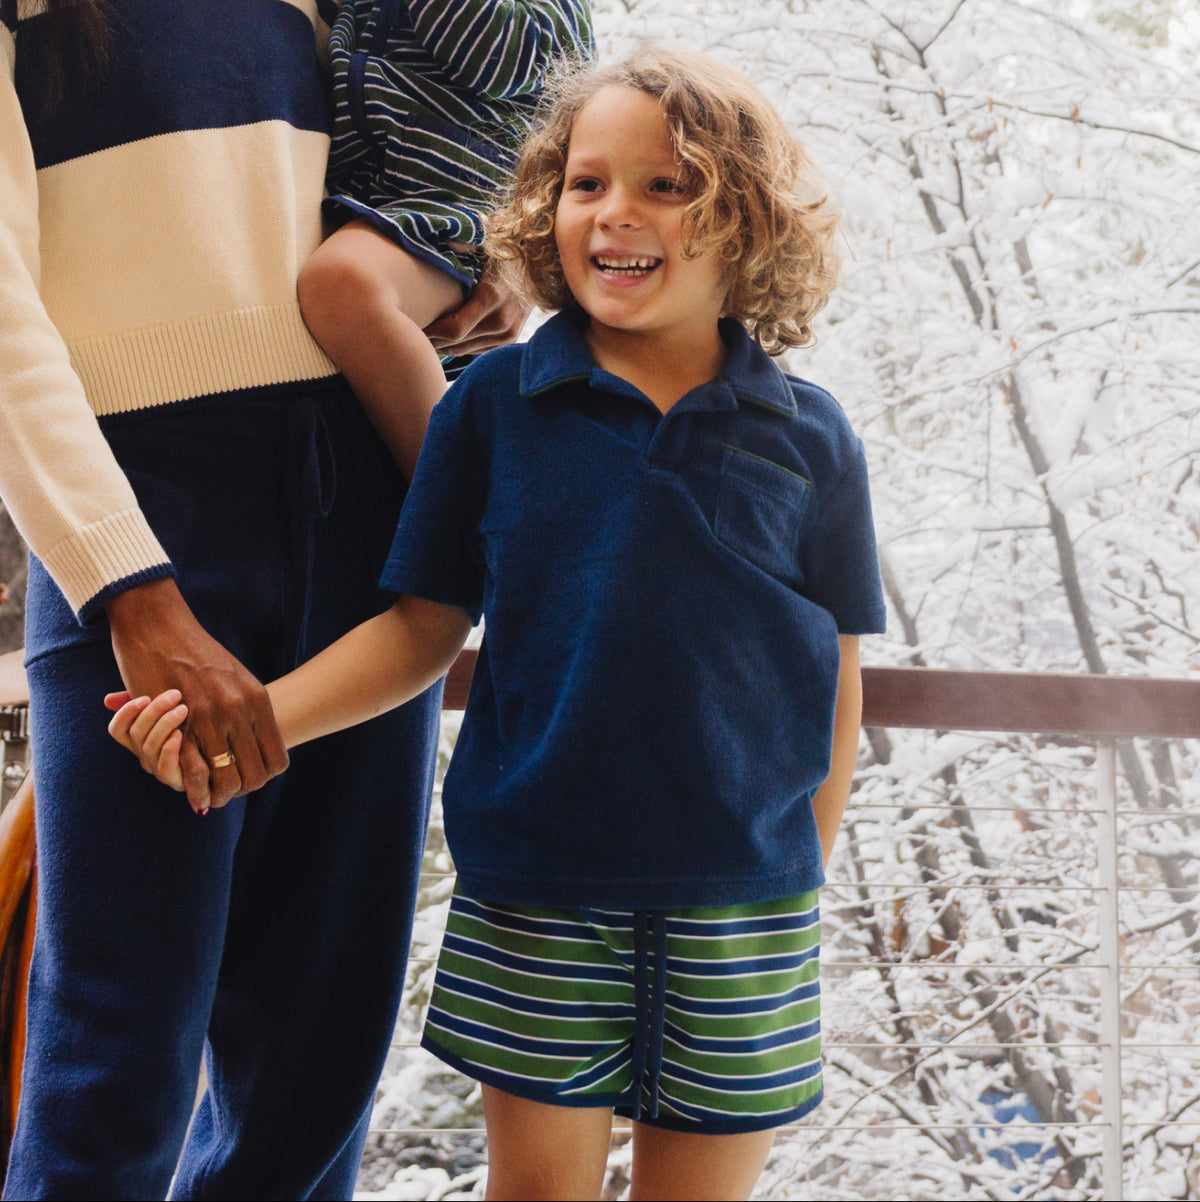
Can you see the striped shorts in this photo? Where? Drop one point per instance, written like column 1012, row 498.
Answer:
column 704, row 1020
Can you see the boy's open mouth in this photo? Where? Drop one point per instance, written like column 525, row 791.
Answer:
column 626, row 264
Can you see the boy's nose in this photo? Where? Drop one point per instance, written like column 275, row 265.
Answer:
column 618, row 211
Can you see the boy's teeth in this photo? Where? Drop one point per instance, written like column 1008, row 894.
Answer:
column 625, row 263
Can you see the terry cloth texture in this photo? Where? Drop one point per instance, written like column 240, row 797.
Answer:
column 152, row 223
column 697, row 1020
column 432, row 99
column 652, row 709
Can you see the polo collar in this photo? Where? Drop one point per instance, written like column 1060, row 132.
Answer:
column 558, row 355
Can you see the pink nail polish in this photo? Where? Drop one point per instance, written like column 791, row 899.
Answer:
column 202, row 812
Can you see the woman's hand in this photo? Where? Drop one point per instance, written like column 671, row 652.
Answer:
column 492, row 315
column 230, row 744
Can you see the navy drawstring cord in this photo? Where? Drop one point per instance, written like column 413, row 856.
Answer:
column 650, row 998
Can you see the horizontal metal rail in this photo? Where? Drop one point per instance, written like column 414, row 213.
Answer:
column 1072, row 704
column 1076, row 704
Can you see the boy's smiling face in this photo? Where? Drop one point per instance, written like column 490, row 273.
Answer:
column 619, row 226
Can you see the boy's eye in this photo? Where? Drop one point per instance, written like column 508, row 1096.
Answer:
column 667, row 185
column 583, row 184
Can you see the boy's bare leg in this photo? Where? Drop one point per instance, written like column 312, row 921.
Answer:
column 538, row 1151
column 367, row 301
column 681, row 1164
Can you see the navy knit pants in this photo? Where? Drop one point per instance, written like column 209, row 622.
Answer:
column 270, row 936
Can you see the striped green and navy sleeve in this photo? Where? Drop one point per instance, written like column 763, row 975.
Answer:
column 502, row 48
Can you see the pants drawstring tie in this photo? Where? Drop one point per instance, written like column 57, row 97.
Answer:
column 650, row 990
column 311, row 454
column 658, row 1009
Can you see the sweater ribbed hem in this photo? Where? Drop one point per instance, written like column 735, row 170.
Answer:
column 214, row 352
column 119, row 547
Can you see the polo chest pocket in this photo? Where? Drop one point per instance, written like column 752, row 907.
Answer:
column 762, row 509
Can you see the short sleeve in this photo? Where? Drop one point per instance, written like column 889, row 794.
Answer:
column 839, row 558
column 436, row 551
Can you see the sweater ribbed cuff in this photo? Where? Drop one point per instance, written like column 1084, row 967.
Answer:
column 119, row 548
column 95, row 606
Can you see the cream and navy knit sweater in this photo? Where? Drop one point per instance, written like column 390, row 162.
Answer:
column 151, row 230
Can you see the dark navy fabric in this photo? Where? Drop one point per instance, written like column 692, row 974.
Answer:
column 653, row 704
column 266, row 72
column 277, row 927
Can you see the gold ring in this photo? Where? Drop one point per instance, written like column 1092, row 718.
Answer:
column 223, row 760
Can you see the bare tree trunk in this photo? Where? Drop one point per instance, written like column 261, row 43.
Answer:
column 985, row 315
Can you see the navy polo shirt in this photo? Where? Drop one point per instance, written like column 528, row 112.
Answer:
column 652, row 708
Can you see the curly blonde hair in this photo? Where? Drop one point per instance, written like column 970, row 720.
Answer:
column 756, row 202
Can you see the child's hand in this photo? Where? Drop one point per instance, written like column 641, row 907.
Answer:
column 151, row 730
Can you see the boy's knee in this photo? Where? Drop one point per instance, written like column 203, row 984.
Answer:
column 333, row 286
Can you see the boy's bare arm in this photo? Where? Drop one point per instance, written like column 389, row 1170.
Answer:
column 829, row 802
column 379, row 665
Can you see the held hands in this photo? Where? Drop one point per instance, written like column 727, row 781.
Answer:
column 382, row 663
column 231, row 743
column 152, row 730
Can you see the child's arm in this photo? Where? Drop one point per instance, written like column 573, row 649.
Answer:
column 829, row 801
column 379, row 665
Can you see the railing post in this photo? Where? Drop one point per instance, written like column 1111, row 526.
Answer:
column 1108, row 919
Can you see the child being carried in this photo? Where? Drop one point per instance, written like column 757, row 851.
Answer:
column 432, row 99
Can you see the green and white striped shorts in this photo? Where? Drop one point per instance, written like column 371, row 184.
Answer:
column 702, row 1020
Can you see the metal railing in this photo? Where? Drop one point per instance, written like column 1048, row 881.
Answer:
column 1062, row 709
